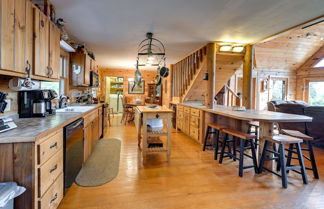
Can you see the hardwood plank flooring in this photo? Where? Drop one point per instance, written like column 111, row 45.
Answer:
column 192, row 179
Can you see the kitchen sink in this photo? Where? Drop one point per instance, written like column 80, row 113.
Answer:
column 75, row 109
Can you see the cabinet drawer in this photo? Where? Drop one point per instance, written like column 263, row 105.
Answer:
column 180, row 108
column 186, row 109
column 49, row 172
column 194, row 121
column 49, row 147
column 194, row 133
column 195, row 112
column 53, row 196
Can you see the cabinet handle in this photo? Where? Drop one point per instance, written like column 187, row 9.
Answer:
column 53, row 145
column 55, row 197
column 53, row 169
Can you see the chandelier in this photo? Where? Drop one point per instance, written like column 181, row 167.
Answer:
column 151, row 53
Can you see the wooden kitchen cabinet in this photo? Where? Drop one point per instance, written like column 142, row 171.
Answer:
column 41, row 31
column 47, row 46
column 16, row 35
column 37, row 166
column 189, row 121
column 80, row 69
column 91, row 132
column 54, row 50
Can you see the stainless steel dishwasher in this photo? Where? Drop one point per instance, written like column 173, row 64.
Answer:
column 73, row 151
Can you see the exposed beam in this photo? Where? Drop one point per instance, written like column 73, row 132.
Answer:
column 247, row 76
column 296, row 27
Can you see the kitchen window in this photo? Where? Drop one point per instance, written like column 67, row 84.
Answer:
column 58, row 87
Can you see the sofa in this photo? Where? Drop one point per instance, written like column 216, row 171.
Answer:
column 314, row 129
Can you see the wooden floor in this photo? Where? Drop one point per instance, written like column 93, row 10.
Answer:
column 192, row 179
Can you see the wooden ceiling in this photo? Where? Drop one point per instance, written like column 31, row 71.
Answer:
column 291, row 50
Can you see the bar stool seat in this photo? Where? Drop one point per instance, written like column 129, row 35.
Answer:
column 238, row 134
column 280, row 156
column 283, row 139
column 213, row 128
column 308, row 140
column 296, row 134
column 246, row 143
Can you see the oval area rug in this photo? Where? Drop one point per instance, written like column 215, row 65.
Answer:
column 103, row 164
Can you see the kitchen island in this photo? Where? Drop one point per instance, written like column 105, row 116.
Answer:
column 142, row 115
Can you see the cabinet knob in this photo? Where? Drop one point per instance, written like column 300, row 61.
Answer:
column 157, row 115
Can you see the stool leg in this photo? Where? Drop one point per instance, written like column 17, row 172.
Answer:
column 229, row 147
column 289, row 156
column 283, row 165
column 223, row 149
column 263, row 156
column 206, row 138
column 255, row 163
column 278, row 161
column 312, row 159
column 234, row 147
column 301, row 163
column 257, row 135
column 216, row 147
column 241, row 158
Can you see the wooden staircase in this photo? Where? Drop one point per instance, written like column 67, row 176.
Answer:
column 186, row 72
column 188, row 75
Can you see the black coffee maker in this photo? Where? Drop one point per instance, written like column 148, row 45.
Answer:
column 35, row 103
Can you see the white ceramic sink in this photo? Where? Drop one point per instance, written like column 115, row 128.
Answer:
column 75, row 109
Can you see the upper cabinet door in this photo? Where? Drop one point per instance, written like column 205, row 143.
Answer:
column 87, row 69
column 41, row 31
column 54, row 50
column 29, row 47
column 7, row 35
column 20, row 35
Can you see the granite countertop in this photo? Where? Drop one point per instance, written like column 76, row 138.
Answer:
column 31, row 129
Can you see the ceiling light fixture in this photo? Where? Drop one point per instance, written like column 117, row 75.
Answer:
column 225, row 48
column 238, row 49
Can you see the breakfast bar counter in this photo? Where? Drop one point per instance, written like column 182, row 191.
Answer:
column 238, row 120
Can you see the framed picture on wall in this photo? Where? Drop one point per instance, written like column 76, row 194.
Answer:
column 138, row 89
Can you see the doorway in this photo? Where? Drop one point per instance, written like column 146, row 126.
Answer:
column 114, row 93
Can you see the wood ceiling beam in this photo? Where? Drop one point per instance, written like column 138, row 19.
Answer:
column 296, row 27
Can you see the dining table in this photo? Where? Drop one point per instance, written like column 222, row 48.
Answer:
column 239, row 120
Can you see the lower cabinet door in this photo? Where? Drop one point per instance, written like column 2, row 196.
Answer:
column 53, row 196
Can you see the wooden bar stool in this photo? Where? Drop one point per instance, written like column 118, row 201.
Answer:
column 254, row 125
column 308, row 140
column 283, row 140
column 243, row 137
column 213, row 128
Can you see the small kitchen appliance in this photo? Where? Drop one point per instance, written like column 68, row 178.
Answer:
column 35, row 103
